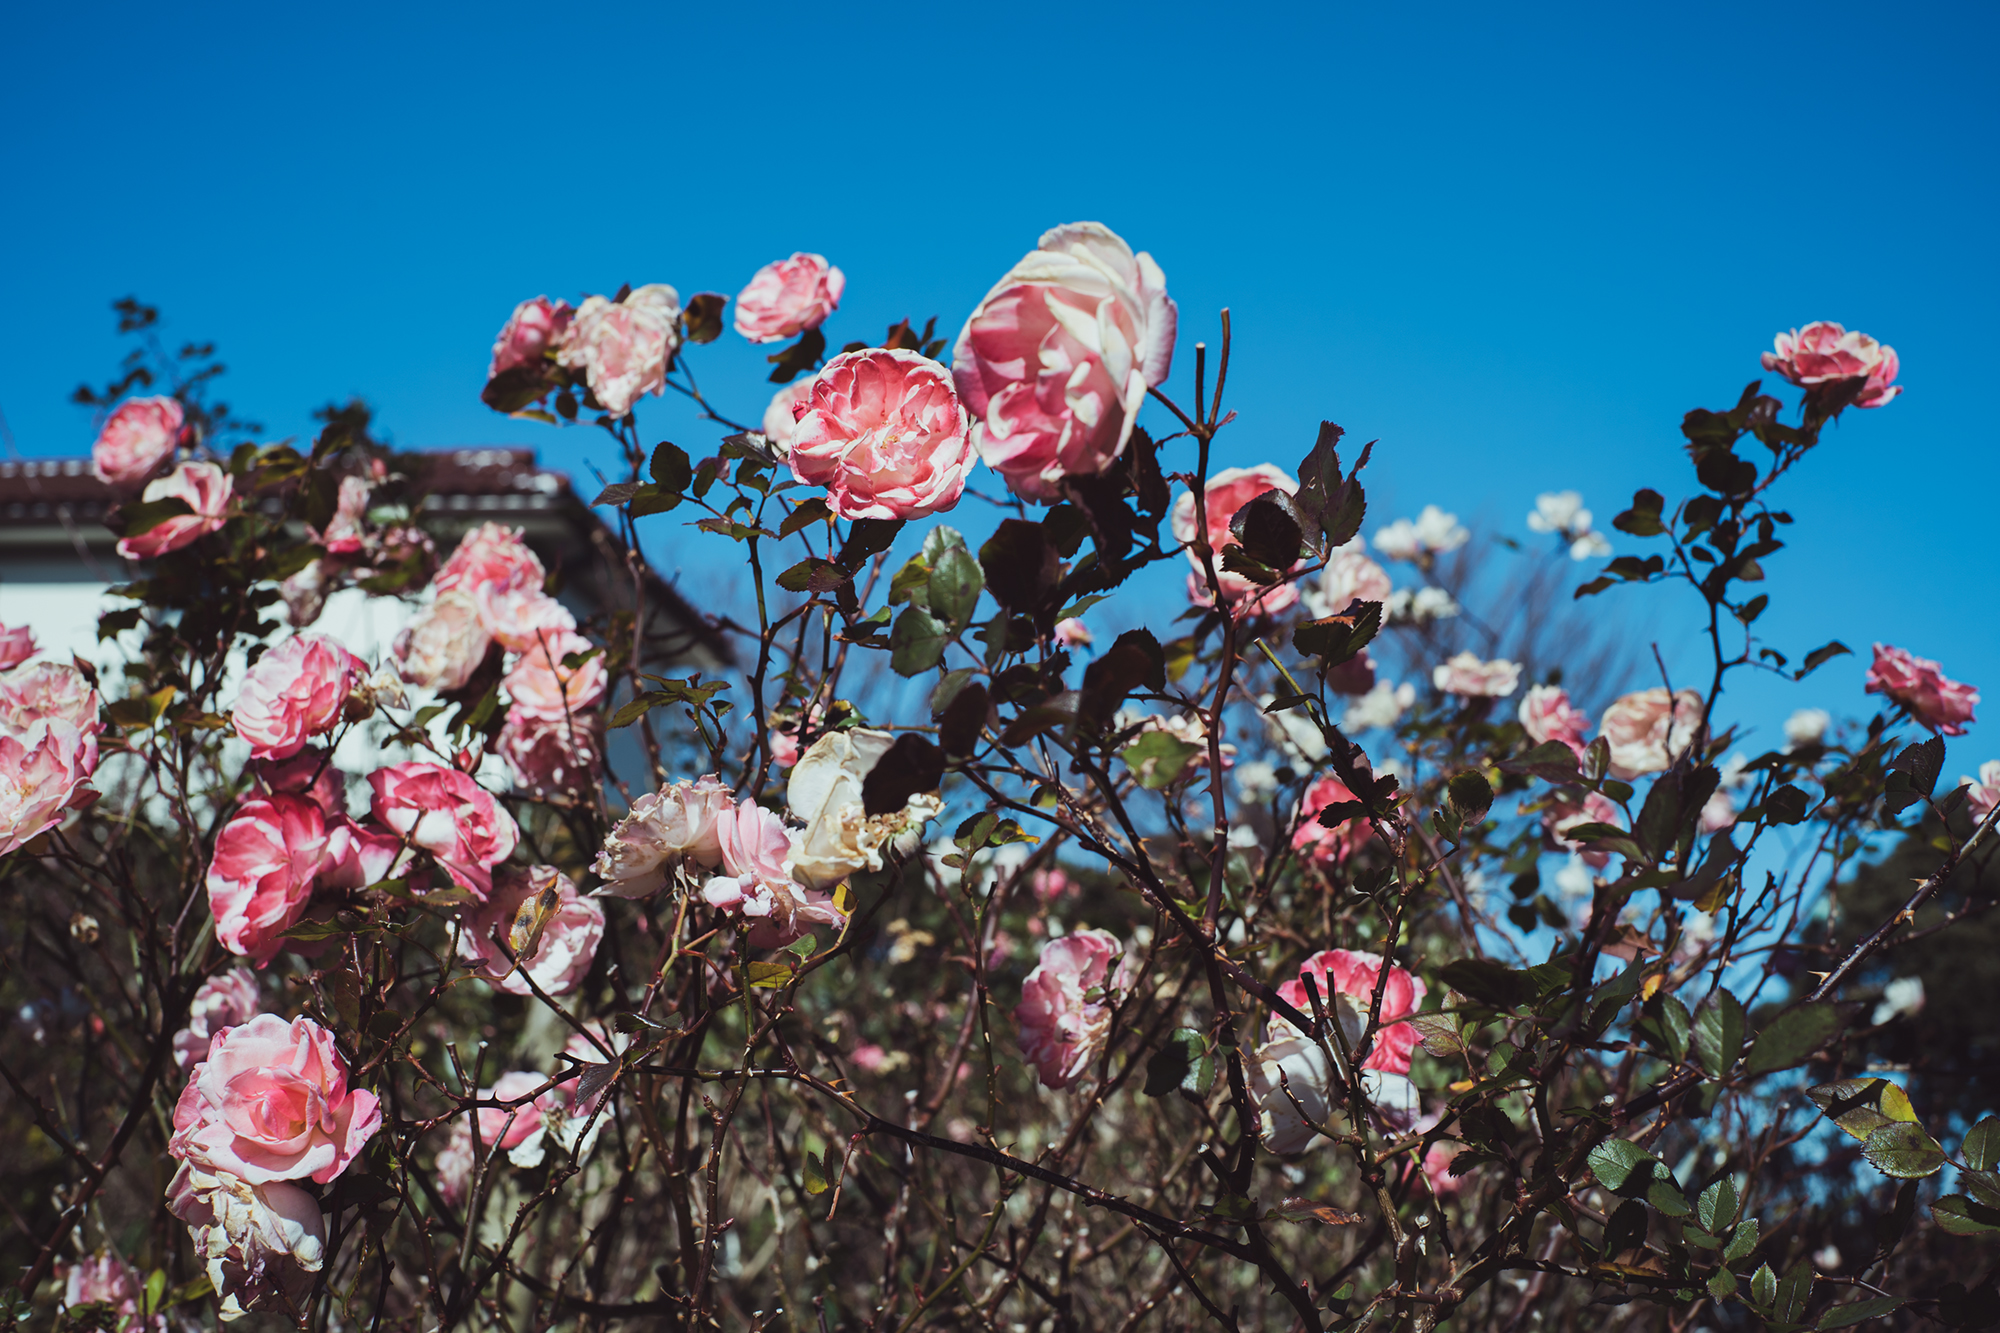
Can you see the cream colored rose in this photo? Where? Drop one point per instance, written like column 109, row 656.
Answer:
column 841, row 837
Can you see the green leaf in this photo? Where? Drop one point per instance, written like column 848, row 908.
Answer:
column 1488, row 982
column 1863, row 1105
column 1985, row 1186
column 1158, row 758
column 808, row 512
column 769, row 975
column 1718, row 1033
column 1716, row 1208
column 955, row 584
column 670, row 467
column 1792, row 1036
column 1469, row 794
column 156, row 1287
column 1666, row 1196
column 1764, row 1286
column 917, row 642
column 1965, row 1217
column 1903, row 1150
column 815, row 1176
column 1786, row 805
column 800, row 357
column 1614, row 1162
column 1338, row 638
column 1741, row 1242
column 1722, row 1285
column 1817, row 656
column 1183, row 1064
column 1676, row 1025
column 1551, row 759
column 813, row 574
column 1439, row 1034
column 1845, row 1316
column 1982, row 1145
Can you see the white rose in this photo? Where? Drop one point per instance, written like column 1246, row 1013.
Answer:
column 840, row 836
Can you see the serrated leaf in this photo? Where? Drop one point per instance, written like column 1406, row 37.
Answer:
column 1295, row 1209
column 808, row 512
column 1488, row 982
column 1983, row 1185
column 1794, row 1290
column 1158, row 758
column 1965, row 1217
column 1863, row 1105
column 1666, row 1196
column 670, row 467
column 769, row 975
column 1718, row 1033
column 1551, row 760
column 595, row 1079
column 1903, row 1150
column 1792, row 1036
column 1764, row 1286
column 1614, row 1162
column 917, row 642
column 1439, row 1034
column 813, row 574
column 955, row 584
column 1716, row 1208
column 1180, row 1065
column 1722, row 1285
column 1982, row 1145
column 1741, row 1242
column 1822, row 654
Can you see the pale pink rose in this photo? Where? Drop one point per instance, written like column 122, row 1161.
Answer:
column 784, row 749
column 787, row 405
column 140, row 435
column 757, row 884
column 787, row 297
column 1547, row 715
column 1062, row 1032
column 623, row 350
column 1055, row 362
column 42, row 775
column 344, row 530
column 1563, row 816
column 1468, row 675
column 259, row 1242
column 1823, row 351
column 663, row 829
column 1648, row 730
column 295, row 692
column 358, row 855
column 261, row 875
column 17, row 645
column 1073, row 633
column 569, row 939
column 536, row 327
column 515, row 1130
column 542, row 686
column 1349, row 576
column 108, row 1280
column 553, row 755
column 1051, row 884
column 868, row 1057
column 518, row 620
column 271, row 1102
column 1322, row 845
column 491, row 555
column 207, row 490
column 1718, row 812
column 224, row 1001
column 1228, row 491
column 1437, row 1168
column 1984, row 790
column 444, row 644
column 447, row 814
column 1354, row 974
column 883, row 431
column 1924, row 691
column 50, row 691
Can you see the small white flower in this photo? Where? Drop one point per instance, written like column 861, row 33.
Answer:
column 1256, row 780
column 1573, row 881
column 1559, row 511
column 1382, row 706
column 1732, row 771
column 1440, row 532
column 1807, row 726
column 1901, row 998
column 1398, row 541
column 1589, row 545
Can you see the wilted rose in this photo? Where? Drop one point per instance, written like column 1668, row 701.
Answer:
column 261, row 875
column 1921, row 687
column 258, row 1242
column 140, row 435
column 207, row 490
column 343, row 533
column 825, row 790
column 663, row 830
column 1648, row 730
column 623, row 349
column 271, row 1102
column 787, row 297
column 1228, row 491
column 105, row 1279
column 570, row 930
column 1823, row 352
column 1062, row 1032
column 1055, row 362
column 447, row 814
column 883, row 431
column 535, row 329
column 756, row 882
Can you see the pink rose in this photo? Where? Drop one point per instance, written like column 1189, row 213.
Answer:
column 260, row 1243
column 295, row 692
column 207, row 490
column 757, row 884
column 1072, row 633
column 261, row 875
column 1322, row 845
column 569, row 939
column 1467, row 675
column 883, row 431
column 517, row 1131
column 1051, row 884
column 678, row 823
column 787, row 405
column 358, row 855
column 787, row 297
column 224, row 1001
column 1563, row 816
column 784, row 749
column 535, row 329
column 1823, row 352
column 107, row 1280
column 518, row 620
column 447, row 814
column 1354, row 974
column 42, row 775
column 623, row 350
column 1718, row 812
column 542, row 686
column 1228, row 491
column 1547, row 715
column 1055, row 362
column 444, row 644
column 271, row 1102
column 140, row 435
column 344, row 530
column 17, row 645
column 1924, row 691
column 1984, row 791
column 553, row 755
column 1061, row 1031
column 1648, row 730
column 1349, row 576
column 50, row 691
column 495, row 568
column 507, row 1127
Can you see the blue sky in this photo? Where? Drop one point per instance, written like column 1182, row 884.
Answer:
column 1514, row 245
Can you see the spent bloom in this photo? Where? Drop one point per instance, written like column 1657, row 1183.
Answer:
column 787, row 297
column 1055, row 362
column 140, row 436
column 295, row 692
column 1933, row 699
column 1548, row 715
column 1432, row 534
column 884, row 433
column 552, row 934
column 259, row 1241
column 271, row 1102
column 1823, row 352
column 261, row 876
column 443, row 644
column 1649, row 729
column 1563, row 816
column 1228, row 491
column 1062, row 1028
column 825, row 790
column 206, row 488
column 548, row 755
column 756, row 882
column 1468, row 675
column 663, row 829
column 623, row 348
column 107, row 1280
column 224, row 1000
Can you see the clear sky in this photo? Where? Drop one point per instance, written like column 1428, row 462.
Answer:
column 1514, row 243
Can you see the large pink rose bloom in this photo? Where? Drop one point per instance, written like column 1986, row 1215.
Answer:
column 1055, row 362
column 1354, row 974
column 447, row 814
column 1648, row 730
column 207, row 490
column 140, row 435
column 41, row 777
column 1228, row 491
column 1547, row 715
column 787, row 297
column 883, row 431
column 549, row 755
column 541, row 686
column 1061, row 1031
column 624, row 349
column 1823, row 352
column 271, row 1102
column 504, row 579
column 17, row 645
column 1318, row 843
column 261, row 876
column 679, row 823
column 50, row 691
column 295, row 692
column 1933, row 699
column 569, row 940
column 224, row 1000
column 535, row 328
column 444, row 644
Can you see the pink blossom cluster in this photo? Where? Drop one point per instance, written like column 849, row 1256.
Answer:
column 620, row 350
column 49, row 726
column 106, row 1279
